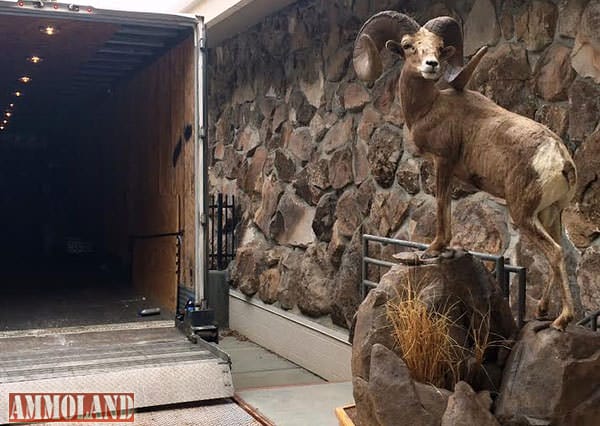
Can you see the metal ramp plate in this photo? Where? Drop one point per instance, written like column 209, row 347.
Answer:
column 222, row 414
column 158, row 365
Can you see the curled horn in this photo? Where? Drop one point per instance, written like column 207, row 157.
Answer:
column 450, row 31
column 372, row 37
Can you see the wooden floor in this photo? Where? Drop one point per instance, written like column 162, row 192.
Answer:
column 256, row 367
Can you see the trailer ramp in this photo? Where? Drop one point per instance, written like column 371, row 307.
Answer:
column 155, row 362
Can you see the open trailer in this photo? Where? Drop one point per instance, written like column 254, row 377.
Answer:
column 102, row 200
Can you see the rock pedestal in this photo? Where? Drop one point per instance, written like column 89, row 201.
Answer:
column 549, row 378
column 552, row 378
column 462, row 283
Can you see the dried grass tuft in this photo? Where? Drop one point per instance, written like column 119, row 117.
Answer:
column 429, row 351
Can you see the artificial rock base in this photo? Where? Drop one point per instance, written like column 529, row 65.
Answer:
column 550, row 378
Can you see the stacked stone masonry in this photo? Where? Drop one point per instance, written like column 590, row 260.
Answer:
column 315, row 156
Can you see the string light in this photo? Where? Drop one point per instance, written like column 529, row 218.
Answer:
column 35, row 59
column 25, row 79
column 18, row 94
column 49, row 30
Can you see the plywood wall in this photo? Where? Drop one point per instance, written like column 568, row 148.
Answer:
column 144, row 192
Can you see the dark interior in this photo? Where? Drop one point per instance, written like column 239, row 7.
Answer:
column 57, row 266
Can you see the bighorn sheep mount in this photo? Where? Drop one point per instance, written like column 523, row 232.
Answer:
column 468, row 136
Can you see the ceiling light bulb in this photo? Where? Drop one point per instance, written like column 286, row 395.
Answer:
column 8, row 113
column 11, row 105
column 4, row 121
column 35, row 59
column 25, row 79
column 1, row 127
column 18, row 94
column 49, row 30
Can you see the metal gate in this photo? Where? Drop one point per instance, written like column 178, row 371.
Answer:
column 223, row 221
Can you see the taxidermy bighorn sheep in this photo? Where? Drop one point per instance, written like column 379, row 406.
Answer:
column 470, row 137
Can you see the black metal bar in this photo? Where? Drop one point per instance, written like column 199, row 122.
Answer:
column 211, row 213
column 178, row 258
column 501, row 276
column 370, row 283
column 233, row 226
column 421, row 246
column 502, row 271
column 379, row 262
column 220, row 231
column 149, row 236
column 365, row 255
column 223, row 223
column 394, row 241
column 179, row 237
column 521, row 307
column 592, row 320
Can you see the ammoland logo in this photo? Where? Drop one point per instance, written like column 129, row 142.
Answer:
column 70, row 407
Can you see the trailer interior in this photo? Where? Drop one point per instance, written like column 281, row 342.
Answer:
column 96, row 167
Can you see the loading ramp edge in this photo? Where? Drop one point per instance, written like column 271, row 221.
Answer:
column 152, row 385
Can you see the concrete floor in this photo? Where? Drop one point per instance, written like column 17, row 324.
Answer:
column 300, row 405
column 280, row 390
column 256, row 367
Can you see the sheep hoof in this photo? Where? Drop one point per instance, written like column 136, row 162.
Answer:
column 430, row 254
column 561, row 322
column 448, row 254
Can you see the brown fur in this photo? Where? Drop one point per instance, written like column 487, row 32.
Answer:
column 502, row 153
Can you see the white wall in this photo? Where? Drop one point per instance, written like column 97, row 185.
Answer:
column 143, row 5
column 224, row 18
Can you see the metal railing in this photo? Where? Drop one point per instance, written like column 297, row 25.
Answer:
column 502, row 270
column 223, row 222
column 179, row 241
column 590, row 321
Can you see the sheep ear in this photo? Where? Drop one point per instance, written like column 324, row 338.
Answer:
column 461, row 79
column 394, row 47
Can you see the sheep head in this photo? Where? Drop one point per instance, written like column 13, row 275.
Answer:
column 435, row 49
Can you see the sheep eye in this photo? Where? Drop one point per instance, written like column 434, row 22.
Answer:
column 407, row 46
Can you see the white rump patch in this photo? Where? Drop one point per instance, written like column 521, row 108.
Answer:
column 549, row 162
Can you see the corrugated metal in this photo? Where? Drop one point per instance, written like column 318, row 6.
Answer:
column 225, row 414
column 159, row 366
column 229, row 414
column 124, row 42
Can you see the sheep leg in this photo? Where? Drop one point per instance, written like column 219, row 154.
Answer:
column 566, row 315
column 550, row 219
column 553, row 252
column 443, row 178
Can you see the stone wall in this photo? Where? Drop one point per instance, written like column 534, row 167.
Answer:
column 314, row 155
